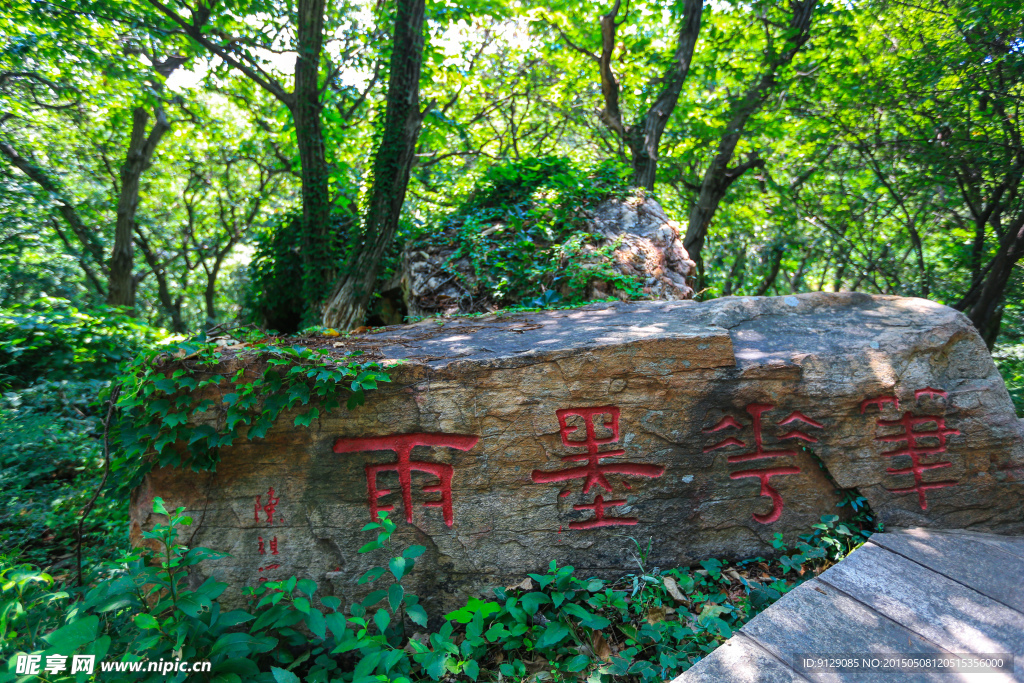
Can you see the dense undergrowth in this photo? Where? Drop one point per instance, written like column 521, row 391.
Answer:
column 644, row 627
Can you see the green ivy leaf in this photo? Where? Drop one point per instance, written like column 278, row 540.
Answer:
column 306, row 418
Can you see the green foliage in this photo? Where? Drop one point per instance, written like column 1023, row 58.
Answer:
column 181, row 404
column 51, row 339
column 830, row 541
column 522, row 232
column 643, row 627
column 51, row 462
column 54, row 360
column 273, row 297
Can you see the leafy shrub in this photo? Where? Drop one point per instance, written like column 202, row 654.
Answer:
column 51, row 462
column 53, row 340
column 522, row 231
column 54, row 361
column 554, row 626
column 282, row 292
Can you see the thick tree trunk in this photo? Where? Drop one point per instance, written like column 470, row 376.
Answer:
column 350, row 298
column 121, row 283
column 318, row 268
column 985, row 305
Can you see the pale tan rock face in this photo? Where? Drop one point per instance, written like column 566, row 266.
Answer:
column 506, row 442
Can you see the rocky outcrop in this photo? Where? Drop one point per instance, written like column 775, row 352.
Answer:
column 632, row 239
column 644, row 244
column 505, row 442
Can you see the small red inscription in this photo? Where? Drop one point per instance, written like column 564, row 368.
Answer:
column 267, row 508
column 401, row 445
column 594, row 471
column 756, row 410
column 914, row 429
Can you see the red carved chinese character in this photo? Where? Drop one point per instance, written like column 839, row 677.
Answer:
column 760, row 452
column 269, row 508
column 913, row 427
column 273, row 546
column 599, row 519
column 594, row 471
column 402, row 445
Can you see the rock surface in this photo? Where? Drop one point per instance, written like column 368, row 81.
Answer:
column 644, row 246
column 705, row 428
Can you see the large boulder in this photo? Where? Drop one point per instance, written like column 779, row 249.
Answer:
column 632, row 242
column 505, row 442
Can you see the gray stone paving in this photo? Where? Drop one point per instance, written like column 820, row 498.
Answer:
column 912, row 592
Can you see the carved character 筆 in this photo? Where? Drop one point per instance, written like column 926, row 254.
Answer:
column 401, row 445
column 914, row 428
column 594, row 471
column 756, row 410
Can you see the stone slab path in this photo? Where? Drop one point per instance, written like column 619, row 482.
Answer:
column 915, row 593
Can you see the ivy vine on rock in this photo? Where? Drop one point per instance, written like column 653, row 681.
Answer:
column 180, row 405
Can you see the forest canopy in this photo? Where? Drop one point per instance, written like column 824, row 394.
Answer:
column 205, row 161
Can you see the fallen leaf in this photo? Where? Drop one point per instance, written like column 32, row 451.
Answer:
column 655, row 615
column 331, row 333
column 601, row 648
column 731, row 573
column 526, row 585
column 673, row 589
column 360, row 329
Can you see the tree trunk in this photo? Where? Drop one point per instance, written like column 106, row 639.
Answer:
column 985, row 307
column 644, row 137
column 719, row 176
column 121, row 283
column 318, row 268
column 350, row 298
column 209, row 295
